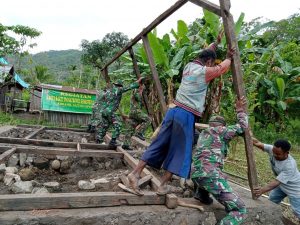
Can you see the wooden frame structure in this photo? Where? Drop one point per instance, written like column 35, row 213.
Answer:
column 223, row 11
column 12, row 202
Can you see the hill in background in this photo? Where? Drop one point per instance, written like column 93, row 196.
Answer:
column 57, row 62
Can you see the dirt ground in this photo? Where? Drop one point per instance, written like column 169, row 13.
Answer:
column 69, row 181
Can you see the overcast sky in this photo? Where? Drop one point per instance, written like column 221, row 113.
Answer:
column 65, row 23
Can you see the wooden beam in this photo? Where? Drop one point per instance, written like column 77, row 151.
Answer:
column 132, row 162
column 76, row 200
column 33, row 134
column 146, row 30
column 5, row 155
column 159, row 89
column 208, row 5
column 105, row 75
column 239, row 87
column 63, row 151
column 53, row 143
column 201, row 126
column 144, row 95
column 66, row 129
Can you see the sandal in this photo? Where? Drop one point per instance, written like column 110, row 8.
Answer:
column 133, row 182
column 164, row 190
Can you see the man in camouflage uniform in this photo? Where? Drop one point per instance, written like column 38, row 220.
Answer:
column 96, row 111
column 110, row 104
column 208, row 162
column 138, row 120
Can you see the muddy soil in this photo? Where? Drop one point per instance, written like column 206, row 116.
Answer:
column 19, row 132
column 66, row 136
column 69, row 181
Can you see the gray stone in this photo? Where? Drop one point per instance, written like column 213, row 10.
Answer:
column 108, row 165
column 13, row 160
column 65, row 166
column 29, row 160
column 101, row 183
column 85, row 161
column 84, row 140
column 62, row 157
column 10, row 178
column 55, row 164
column 11, row 170
column 52, row 186
column 41, row 162
column 85, row 185
column 22, row 187
column 37, row 190
column 23, row 157
column 2, row 167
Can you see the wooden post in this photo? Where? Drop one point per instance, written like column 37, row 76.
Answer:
column 239, row 87
column 104, row 72
column 154, row 73
column 145, row 97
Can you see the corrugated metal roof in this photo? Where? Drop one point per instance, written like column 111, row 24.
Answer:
column 66, row 88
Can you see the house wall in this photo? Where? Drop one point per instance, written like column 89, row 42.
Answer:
column 63, row 118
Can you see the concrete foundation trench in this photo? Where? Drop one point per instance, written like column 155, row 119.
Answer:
column 60, row 176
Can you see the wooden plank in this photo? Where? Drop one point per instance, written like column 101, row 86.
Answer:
column 238, row 84
column 144, row 95
column 146, row 30
column 4, row 156
column 53, row 143
column 208, row 5
column 201, row 126
column 154, row 74
column 66, row 129
column 63, row 151
column 132, row 162
column 33, row 134
column 76, row 200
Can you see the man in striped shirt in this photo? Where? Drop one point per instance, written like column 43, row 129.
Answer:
column 172, row 149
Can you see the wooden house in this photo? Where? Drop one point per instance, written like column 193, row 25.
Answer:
column 11, row 87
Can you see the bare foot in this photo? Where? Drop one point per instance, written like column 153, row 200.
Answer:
column 163, row 190
column 133, row 182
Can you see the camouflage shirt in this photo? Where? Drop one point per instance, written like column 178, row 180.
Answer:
column 212, row 147
column 135, row 101
column 113, row 97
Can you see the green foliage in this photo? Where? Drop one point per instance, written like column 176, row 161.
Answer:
column 13, row 39
column 97, row 53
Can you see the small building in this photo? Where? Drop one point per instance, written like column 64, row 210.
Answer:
column 61, row 104
column 11, row 88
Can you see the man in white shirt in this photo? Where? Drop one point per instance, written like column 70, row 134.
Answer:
column 287, row 181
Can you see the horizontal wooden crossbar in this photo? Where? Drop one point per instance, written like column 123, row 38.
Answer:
column 76, row 200
column 49, row 143
column 63, row 151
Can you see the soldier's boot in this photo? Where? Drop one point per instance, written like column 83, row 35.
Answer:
column 98, row 141
column 203, row 196
column 113, row 142
column 127, row 147
column 89, row 128
column 92, row 129
column 140, row 136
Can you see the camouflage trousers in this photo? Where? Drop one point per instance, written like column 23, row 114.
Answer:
column 222, row 192
column 137, row 123
column 105, row 123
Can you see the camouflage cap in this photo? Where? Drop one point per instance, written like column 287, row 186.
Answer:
column 217, row 119
column 118, row 82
